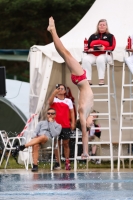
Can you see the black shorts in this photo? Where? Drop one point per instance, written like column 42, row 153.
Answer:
column 65, row 134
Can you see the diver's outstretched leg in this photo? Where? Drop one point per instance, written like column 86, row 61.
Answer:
column 74, row 67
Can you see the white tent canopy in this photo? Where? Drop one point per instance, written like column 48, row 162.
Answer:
column 45, row 63
column 119, row 17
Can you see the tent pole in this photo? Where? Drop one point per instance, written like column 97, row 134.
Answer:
column 63, row 73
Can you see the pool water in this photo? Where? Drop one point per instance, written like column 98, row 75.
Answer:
column 69, row 186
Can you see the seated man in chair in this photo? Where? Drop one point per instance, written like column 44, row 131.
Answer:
column 43, row 133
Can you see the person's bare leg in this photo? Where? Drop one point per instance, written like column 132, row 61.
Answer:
column 66, row 148
column 73, row 65
column 85, row 106
column 89, row 121
column 84, row 135
column 35, row 153
column 94, row 149
column 56, row 153
column 82, row 117
column 37, row 140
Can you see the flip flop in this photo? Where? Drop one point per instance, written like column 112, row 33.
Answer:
column 100, row 84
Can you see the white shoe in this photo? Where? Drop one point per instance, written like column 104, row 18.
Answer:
column 98, row 162
column 56, row 166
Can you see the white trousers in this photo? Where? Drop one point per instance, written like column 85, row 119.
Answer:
column 129, row 61
column 100, row 61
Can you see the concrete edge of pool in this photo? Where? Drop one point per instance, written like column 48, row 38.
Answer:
column 23, row 171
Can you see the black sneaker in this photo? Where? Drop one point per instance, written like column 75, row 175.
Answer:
column 98, row 162
column 56, row 166
column 20, row 148
column 35, row 168
column 93, row 160
column 17, row 149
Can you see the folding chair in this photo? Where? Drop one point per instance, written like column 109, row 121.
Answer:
column 25, row 156
column 8, row 143
column 50, row 147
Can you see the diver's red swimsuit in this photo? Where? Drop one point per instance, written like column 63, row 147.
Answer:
column 76, row 79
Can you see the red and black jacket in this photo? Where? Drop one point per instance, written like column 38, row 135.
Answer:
column 105, row 39
column 97, row 131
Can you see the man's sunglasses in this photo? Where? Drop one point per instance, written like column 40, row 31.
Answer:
column 50, row 113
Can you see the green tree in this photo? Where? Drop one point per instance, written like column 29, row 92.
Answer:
column 24, row 23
